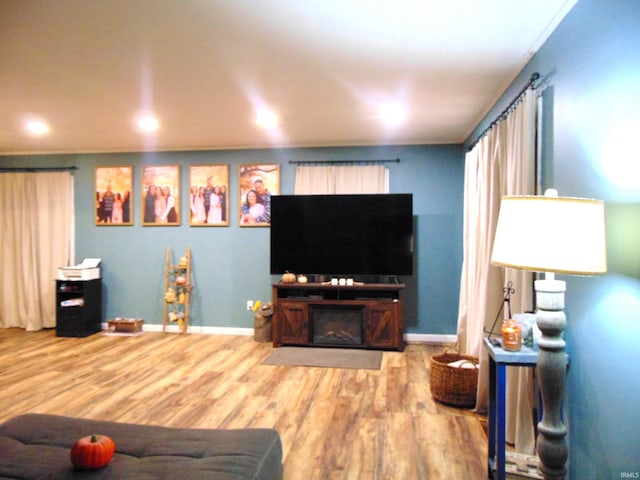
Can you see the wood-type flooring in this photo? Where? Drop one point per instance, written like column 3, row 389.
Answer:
column 334, row 423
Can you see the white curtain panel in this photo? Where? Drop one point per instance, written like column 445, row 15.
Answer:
column 519, row 179
column 480, row 284
column 501, row 163
column 314, row 179
column 36, row 220
column 339, row 179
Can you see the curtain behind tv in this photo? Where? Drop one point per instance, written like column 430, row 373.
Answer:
column 339, row 179
column 36, row 221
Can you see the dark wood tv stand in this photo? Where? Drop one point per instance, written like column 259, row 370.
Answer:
column 300, row 309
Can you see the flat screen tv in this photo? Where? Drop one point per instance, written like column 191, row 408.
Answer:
column 348, row 235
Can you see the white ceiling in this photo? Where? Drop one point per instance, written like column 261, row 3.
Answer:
column 88, row 67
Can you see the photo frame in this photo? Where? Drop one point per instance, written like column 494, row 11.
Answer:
column 114, row 201
column 209, row 195
column 160, row 195
column 257, row 182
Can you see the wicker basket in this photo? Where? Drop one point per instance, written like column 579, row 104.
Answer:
column 454, row 386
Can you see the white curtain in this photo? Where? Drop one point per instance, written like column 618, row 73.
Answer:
column 36, row 220
column 501, row 163
column 339, row 179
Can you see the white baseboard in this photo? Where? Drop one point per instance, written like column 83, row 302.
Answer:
column 409, row 337
column 430, row 338
column 205, row 330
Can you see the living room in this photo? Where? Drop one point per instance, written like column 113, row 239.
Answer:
column 590, row 64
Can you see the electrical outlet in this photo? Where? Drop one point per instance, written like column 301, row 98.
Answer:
column 249, row 305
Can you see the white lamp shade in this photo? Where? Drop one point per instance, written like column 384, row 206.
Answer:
column 551, row 234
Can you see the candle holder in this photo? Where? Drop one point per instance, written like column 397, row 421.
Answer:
column 511, row 335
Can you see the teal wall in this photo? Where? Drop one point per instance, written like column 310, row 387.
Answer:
column 231, row 264
column 591, row 64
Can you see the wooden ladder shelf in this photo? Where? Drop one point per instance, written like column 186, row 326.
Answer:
column 177, row 288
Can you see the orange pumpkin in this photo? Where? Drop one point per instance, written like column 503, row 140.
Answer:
column 288, row 277
column 93, row 451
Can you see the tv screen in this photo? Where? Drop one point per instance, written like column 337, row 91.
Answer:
column 367, row 234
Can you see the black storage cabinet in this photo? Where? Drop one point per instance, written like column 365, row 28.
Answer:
column 78, row 320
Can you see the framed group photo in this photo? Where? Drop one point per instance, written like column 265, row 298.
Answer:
column 160, row 195
column 257, row 183
column 208, row 195
column 113, row 188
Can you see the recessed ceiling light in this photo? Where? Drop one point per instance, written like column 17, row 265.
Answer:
column 37, row 127
column 267, row 119
column 393, row 113
column 148, row 123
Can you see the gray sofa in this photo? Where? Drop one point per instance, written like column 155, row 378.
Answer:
column 37, row 447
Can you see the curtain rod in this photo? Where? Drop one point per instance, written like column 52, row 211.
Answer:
column 37, row 169
column 341, row 162
column 534, row 76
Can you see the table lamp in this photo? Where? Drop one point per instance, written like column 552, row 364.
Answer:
column 551, row 234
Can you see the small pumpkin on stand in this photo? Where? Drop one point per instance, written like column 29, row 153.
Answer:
column 302, row 279
column 93, row 451
column 170, row 295
column 288, row 277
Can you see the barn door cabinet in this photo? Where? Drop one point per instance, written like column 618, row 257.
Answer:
column 300, row 308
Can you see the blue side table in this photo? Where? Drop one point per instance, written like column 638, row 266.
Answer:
column 499, row 359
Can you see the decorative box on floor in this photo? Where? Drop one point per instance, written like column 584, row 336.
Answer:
column 454, row 379
column 125, row 325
